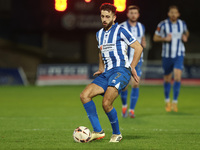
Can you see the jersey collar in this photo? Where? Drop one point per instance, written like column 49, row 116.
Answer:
column 171, row 22
column 130, row 25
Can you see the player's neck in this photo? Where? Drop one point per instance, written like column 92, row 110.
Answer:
column 132, row 23
column 173, row 21
column 109, row 27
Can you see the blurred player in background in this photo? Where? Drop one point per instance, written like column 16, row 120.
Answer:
column 138, row 31
column 172, row 32
column 114, row 71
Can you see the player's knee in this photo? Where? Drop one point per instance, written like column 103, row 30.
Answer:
column 106, row 106
column 167, row 78
column 177, row 79
column 135, row 85
column 83, row 97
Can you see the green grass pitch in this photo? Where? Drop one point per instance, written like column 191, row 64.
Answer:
column 37, row 118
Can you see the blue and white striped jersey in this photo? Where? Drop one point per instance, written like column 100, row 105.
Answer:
column 138, row 32
column 176, row 46
column 113, row 45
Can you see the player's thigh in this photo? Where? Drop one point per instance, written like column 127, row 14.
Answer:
column 178, row 63
column 168, row 66
column 90, row 91
column 109, row 97
column 168, row 78
column 177, row 74
column 178, row 67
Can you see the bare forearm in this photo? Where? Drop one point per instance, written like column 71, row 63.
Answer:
column 136, row 59
column 137, row 53
column 157, row 38
column 187, row 34
column 143, row 42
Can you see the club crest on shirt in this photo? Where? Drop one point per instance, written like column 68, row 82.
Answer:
column 158, row 29
column 101, row 47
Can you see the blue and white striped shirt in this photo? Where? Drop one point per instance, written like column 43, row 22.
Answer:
column 176, row 46
column 138, row 32
column 113, row 45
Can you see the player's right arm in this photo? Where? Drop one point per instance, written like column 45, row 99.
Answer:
column 158, row 35
column 143, row 42
column 101, row 65
column 157, row 38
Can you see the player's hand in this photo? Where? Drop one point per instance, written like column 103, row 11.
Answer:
column 143, row 43
column 168, row 38
column 98, row 72
column 184, row 38
column 135, row 76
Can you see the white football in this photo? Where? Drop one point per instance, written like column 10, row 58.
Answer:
column 82, row 134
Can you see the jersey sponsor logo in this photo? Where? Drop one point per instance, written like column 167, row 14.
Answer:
column 176, row 35
column 108, row 47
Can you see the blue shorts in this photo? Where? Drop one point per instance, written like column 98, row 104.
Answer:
column 116, row 77
column 138, row 68
column 170, row 63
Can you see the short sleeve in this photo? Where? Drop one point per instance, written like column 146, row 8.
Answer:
column 97, row 38
column 160, row 29
column 144, row 30
column 185, row 29
column 127, row 36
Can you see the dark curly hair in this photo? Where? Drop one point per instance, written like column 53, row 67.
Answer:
column 108, row 7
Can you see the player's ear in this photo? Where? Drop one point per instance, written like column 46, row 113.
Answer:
column 168, row 14
column 179, row 14
column 114, row 18
column 127, row 14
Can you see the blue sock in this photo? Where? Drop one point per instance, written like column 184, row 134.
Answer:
column 134, row 97
column 167, row 87
column 112, row 116
column 124, row 97
column 176, row 90
column 92, row 115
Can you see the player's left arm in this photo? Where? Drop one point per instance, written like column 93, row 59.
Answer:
column 137, row 54
column 185, row 33
column 185, row 36
column 143, row 42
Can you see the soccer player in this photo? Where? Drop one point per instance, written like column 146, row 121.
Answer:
column 172, row 32
column 114, row 71
column 138, row 31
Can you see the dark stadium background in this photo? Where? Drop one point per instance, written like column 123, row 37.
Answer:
column 32, row 32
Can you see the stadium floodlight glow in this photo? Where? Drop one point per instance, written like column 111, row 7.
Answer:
column 60, row 5
column 88, row 1
column 120, row 4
